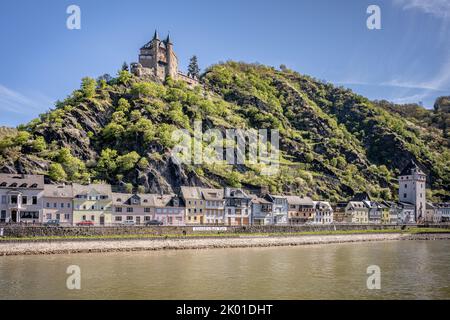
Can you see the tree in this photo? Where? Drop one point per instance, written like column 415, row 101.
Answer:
column 56, row 172
column 88, row 86
column 125, row 67
column 128, row 187
column 193, row 69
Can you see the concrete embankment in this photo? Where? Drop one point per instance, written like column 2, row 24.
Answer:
column 66, row 247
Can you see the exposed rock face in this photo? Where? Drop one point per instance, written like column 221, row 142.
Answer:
column 333, row 142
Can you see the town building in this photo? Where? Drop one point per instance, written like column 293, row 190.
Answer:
column 261, row 211
column 135, row 208
column 358, row 211
column 323, row 213
column 21, row 198
column 92, row 202
column 374, row 211
column 169, row 209
column 394, row 211
column 237, row 207
column 442, row 212
column 339, row 213
column 430, row 213
column 158, row 58
column 214, row 204
column 406, row 212
column 195, row 206
column 57, row 203
column 279, row 215
column 412, row 184
column 300, row 210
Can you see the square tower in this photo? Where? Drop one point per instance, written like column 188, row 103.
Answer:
column 412, row 187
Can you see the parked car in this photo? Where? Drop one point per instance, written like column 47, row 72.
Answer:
column 85, row 223
column 50, row 223
column 128, row 223
column 154, row 223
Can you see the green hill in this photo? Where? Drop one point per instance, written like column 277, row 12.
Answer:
column 334, row 143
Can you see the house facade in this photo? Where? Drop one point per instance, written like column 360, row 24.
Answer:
column 57, row 203
column 358, row 212
column 279, row 215
column 92, row 203
column 21, row 198
column 131, row 207
column 195, row 206
column 237, row 207
column 339, row 213
column 300, row 210
column 323, row 213
column 169, row 209
column 261, row 211
column 214, row 206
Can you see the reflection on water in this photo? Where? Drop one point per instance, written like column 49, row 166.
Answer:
column 409, row 270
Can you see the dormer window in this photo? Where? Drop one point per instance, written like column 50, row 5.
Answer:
column 3, row 184
column 13, row 185
column 34, row 185
column 23, row 185
column 119, row 200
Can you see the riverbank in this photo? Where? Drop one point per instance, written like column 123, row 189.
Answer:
column 242, row 241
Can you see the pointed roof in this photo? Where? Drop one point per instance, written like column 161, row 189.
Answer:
column 156, row 36
column 168, row 39
column 412, row 165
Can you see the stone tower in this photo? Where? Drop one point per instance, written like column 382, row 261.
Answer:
column 158, row 56
column 412, row 186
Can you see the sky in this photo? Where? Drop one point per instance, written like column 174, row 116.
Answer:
column 407, row 60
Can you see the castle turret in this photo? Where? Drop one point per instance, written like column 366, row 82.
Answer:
column 412, row 187
column 172, row 61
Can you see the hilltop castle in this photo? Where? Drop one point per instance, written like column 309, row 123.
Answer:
column 158, row 58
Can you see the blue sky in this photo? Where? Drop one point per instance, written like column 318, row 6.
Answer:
column 408, row 60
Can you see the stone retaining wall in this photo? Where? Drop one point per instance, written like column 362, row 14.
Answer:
column 36, row 231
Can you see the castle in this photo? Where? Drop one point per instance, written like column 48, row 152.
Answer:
column 158, row 58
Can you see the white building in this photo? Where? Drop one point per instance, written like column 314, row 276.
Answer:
column 412, row 184
column 21, row 198
column 57, row 203
column 324, row 213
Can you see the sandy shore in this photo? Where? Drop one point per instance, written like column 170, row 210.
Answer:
column 65, row 247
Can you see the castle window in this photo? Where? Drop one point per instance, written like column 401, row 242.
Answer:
column 406, row 186
column 404, row 195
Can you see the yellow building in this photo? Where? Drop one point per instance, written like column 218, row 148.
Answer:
column 92, row 203
column 385, row 214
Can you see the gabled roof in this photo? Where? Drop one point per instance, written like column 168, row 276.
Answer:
column 80, row 189
column 235, row 193
column 212, row 194
column 58, row 191
column 296, row 200
column 258, row 200
column 23, row 181
column 191, row 193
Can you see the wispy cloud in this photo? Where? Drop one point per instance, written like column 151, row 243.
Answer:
column 15, row 102
column 438, row 8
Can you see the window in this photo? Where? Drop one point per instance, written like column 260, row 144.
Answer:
column 13, row 200
column 129, row 209
column 405, row 195
column 68, row 204
column 93, row 218
column 48, row 205
column 34, row 199
column 84, row 218
column 118, row 218
column 146, row 209
column 118, row 209
column 13, row 185
column 129, row 217
column 67, row 216
column 3, row 199
column 58, row 216
column 406, row 186
column 54, row 205
column 24, row 200
column 49, row 216
column 34, row 185
column 62, row 204
column 147, row 218
column 3, row 184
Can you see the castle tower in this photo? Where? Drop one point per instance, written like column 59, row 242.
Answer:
column 159, row 57
column 412, row 186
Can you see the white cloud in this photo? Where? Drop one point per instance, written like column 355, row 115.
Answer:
column 438, row 8
column 14, row 102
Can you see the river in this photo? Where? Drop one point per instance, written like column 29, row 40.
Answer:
column 409, row 270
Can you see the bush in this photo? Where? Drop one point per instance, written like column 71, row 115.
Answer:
column 56, row 172
column 88, row 86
